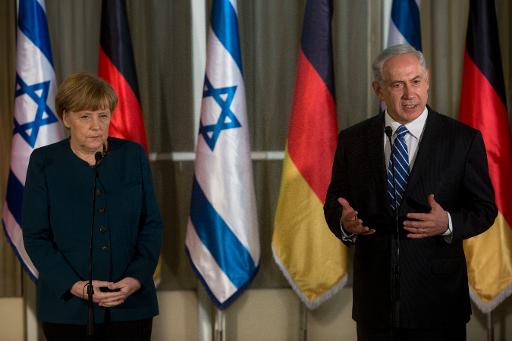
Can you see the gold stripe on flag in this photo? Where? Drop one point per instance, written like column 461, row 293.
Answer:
column 312, row 259
column 489, row 262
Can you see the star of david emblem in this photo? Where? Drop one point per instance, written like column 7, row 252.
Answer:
column 226, row 120
column 44, row 115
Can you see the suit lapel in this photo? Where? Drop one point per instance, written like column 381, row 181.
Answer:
column 416, row 192
column 375, row 140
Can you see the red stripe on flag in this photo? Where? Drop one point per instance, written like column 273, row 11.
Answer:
column 483, row 109
column 313, row 128
column 127, row 119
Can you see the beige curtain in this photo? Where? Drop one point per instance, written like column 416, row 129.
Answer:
column 270, row 37
column 10, row 271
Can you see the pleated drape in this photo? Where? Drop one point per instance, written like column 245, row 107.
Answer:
column 269, row 32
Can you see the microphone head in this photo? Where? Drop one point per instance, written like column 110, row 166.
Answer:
column 98, row 156
column 389, row 131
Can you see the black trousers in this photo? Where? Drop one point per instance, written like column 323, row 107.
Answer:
column 139, row 330
column 453, row 333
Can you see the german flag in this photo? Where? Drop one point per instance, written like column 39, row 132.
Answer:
column 116, row 66
column 483, row 106
column 312, row 259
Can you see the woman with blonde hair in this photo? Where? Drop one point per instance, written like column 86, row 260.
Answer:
column 90, row 215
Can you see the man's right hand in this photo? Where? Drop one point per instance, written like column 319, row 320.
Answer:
column 350, row 222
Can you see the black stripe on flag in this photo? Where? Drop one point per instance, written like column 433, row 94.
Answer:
column 116, row 42
column 316, row 39
column 480, row 43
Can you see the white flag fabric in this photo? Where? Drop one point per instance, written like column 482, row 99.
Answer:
column 404, row 26
column 222, row 239
column 35, row 121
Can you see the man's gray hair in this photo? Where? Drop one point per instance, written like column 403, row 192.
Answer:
column 392, row 51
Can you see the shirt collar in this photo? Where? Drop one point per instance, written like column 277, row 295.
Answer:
column 414, row 127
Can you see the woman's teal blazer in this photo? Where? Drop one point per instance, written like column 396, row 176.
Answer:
column 57, row 219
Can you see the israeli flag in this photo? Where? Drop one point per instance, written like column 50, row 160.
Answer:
column 222, row 239
column 35, row 121
column 404, row 26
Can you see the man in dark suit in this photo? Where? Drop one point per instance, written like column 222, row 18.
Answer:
column 410, row 277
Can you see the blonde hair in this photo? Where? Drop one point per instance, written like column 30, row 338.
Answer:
column 84, row 91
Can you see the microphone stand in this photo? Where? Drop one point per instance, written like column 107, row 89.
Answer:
column 395, row 263
column 98, row 156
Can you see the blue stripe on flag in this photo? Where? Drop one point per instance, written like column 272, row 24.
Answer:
column 406, row 16
column 14, row 196
column 224, row 23
column 32, row 22
column 231, row 256
column 232, row 298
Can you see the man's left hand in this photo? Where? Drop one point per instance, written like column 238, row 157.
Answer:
column 427, row 224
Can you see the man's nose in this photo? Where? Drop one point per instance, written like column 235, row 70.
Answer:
column 406, row 92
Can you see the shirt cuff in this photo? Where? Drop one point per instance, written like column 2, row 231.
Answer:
column 448, row 234
column 349, row 238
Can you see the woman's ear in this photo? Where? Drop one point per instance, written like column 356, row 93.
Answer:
column 65, row 119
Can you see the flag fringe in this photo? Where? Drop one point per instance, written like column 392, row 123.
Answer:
column 311, row 305
column 488, row 306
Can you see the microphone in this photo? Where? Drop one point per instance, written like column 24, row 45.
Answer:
column 395, row 258
column 98, row 157
column 389, row 132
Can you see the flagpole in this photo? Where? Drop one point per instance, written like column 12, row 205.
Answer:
column 25, row 302
column 304, row 322
column 198, row 36
column 220, row 325
column 29, row 296
column 490, row 327
column 204, row 316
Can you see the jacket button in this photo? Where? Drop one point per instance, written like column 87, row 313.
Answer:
column 104, row 248
column 103, row 229
column 99, row 191
column 101, row 209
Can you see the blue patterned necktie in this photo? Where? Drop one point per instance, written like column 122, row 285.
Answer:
column 401, row 163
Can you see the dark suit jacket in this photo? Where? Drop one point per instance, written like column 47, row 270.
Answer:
column 451, row 163
column 57, row 218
